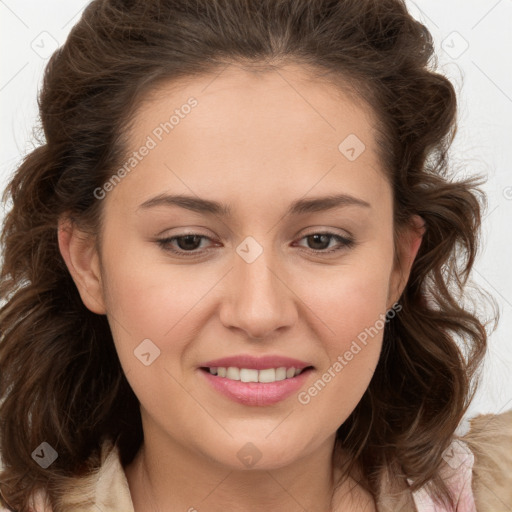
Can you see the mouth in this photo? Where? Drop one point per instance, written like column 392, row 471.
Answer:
column 265, row 376
column 256, row 387
column 256, row 380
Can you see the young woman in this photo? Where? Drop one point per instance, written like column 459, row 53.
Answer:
column 233, row 269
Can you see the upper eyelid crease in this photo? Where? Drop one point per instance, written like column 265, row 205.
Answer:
column 299, row 207
column 346, row 241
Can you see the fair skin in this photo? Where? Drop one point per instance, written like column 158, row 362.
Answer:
column 253, row 143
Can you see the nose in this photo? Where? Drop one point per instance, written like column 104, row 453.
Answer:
column 258, row 300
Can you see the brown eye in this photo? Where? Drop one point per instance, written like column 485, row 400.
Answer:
column 183, row 245
column 188, row 242
column 320, row 242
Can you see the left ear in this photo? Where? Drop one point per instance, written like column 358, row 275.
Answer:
column 406, row 248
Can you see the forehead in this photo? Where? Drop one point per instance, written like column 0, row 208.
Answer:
column 292, row 91
column 253, row 98
column 253, row 131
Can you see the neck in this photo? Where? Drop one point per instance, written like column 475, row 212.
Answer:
column 165, row 476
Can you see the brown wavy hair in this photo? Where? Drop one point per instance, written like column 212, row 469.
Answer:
column 61, row 380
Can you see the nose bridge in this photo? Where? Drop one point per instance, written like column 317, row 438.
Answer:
column 259, row 302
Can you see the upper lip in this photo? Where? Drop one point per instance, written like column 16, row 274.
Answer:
column 256, row 363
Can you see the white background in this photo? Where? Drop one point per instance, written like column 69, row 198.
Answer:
column 474, row 45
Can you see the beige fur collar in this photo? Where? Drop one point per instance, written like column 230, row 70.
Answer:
column 489, row 439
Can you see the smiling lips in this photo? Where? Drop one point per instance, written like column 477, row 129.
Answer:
column 256, row 381
column 252, row 375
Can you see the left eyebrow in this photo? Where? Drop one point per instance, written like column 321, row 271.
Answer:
column 298, row 207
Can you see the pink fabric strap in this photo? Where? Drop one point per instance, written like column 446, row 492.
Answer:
column 457, row 474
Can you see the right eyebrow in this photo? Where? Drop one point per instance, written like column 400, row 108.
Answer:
column 298, row 207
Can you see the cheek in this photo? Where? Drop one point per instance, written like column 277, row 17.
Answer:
column 352, row 356
column 348, row 298
column 352, row 306
column 155, row 302
column 151, row 300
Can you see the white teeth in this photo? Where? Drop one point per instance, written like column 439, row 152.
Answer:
column 233, row 373
column 281, row 373
column 250, row 375
column 268, row 375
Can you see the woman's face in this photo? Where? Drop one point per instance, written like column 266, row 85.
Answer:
column 259, row 281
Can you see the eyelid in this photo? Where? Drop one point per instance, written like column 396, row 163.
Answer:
column 347, row 241
column 319, row 230
column 193, row 230
column 166, row 241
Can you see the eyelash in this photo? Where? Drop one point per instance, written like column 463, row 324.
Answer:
column 346, row 243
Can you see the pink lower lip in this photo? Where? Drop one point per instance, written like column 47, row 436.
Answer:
column 256, row 393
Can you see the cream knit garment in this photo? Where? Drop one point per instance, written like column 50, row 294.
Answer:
column 477, row 468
